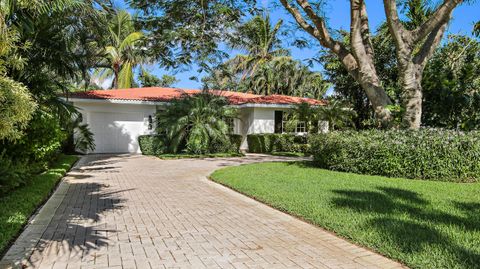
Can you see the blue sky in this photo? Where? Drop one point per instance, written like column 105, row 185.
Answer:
column 338, row 14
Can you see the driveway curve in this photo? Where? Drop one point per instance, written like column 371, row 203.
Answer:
column 133, row 211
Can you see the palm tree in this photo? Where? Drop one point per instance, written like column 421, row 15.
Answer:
column 260, row 41
column 196, row 122
column 123, row 51
column 336, row 114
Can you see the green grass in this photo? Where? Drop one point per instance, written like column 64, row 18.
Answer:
column 423, row 224
column 189, row 156
column 17, row 206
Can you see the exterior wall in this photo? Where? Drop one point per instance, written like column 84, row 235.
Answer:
column 132, row 122
column 258, row 120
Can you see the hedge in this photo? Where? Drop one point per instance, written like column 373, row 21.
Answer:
column 156, row 145
column 425, row 154
column 268, row 143
column 152, row 144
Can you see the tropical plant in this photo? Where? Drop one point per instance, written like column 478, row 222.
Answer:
column 123, row 51
column 337, row 115
column 260, row 40
column 195, row 122
column 303, row 113
column 147, row 79
column 451, row 85
column 16, row 108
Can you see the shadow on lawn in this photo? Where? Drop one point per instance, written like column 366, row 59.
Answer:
column 408, row 221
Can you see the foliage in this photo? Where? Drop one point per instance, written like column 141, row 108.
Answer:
column 266, row 68
column 336, row 114
column 260, row 40
column 155, row 145
column 149, row 80
column 18, row 205
column 349, row 92
column 152, row 144
column 185, row 31
column 12, row 174
column 196, row 122
column 423, row 224
column 268, row 143
column 16, row 108
column 425, row 154
column 451, row 85
column 123, row 51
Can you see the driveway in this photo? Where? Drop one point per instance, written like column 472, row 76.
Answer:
column 136, row 211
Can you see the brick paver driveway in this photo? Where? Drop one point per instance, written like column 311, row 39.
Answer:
column 142, row 212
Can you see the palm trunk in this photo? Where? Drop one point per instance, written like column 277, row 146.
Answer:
column 115, row 78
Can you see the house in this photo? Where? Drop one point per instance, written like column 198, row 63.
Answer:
column 118, row 117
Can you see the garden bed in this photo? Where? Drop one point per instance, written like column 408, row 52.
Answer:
column 423, row 224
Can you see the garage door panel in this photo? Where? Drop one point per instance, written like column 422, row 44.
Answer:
column 116, row 132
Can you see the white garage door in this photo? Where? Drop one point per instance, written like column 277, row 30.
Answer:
column 116, row 132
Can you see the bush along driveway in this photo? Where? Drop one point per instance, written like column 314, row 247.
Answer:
column 17, row 206
column 424, row 224
column 143, row 212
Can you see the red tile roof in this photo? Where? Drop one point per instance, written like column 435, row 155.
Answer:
column 166, row 94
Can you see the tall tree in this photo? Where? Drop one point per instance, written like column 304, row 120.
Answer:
column 261, row 42
column 181, row 32
column 414, row 48
column 123, row 51
column 358, row 60
column 147, row 79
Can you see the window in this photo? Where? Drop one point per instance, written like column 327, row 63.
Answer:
column 278, row 122
column 301, row 127
column 231, row 125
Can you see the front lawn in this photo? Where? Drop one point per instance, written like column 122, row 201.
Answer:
column 423, row 224
column 17, row 206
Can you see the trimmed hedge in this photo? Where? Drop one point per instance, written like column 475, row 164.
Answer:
column 431, row 154
column 268, row 143
column 156, row 145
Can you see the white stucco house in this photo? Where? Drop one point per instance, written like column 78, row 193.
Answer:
column 118, row 117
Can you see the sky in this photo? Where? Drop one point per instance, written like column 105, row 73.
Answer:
column 338, row 15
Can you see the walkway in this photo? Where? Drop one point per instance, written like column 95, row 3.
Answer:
column 142, row 212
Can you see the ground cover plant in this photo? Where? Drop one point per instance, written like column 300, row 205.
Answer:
column 18, row 205
column 423, row 224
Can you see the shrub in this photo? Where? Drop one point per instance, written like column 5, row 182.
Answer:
column 426, row 154
column 267, row 143
column 12, row 174
column 235, row 141
column 152, row 144
column 156, row 145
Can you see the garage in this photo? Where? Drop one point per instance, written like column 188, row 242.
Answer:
column 117, row 125
column 116, row 132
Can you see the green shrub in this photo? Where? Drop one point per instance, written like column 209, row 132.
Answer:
column 156, row 145
column 426, row 154
column 268, row 143
column 236, row 142
column 152, row 144
column 12, row 174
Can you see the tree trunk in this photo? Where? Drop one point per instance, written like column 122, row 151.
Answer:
column 378, row 98
column 411, row 81
column 115, row 76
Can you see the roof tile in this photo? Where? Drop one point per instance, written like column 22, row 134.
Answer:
column 160, row 94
